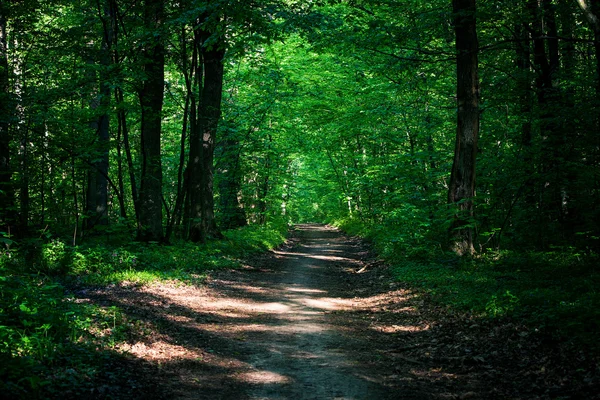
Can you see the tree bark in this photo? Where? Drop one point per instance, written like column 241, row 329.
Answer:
column 151, row 101
column 97, row 205
column 6, row 111
column 204, row 225
column 462, row 180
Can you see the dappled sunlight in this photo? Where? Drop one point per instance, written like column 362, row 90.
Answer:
column 161, row 350
column 304, row 290
column 327, row 303
column 399, row 328
column 262, row 328
column 393, row 297
column 305, row 319
column 315, row 256
column 263, row 377
column 433, row 373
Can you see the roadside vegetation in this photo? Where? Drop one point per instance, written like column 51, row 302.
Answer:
column 52, row 345
column 553, row 292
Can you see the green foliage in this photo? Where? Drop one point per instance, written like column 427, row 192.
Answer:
column 47, row 341
column 555, row 291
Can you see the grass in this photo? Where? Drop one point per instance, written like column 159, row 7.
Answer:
column 555, row 292
column 50, row 343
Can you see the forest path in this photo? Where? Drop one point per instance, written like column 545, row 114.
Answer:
column 315, row 319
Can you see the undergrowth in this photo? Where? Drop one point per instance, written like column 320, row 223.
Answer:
column 555, row 292
column 49, row 342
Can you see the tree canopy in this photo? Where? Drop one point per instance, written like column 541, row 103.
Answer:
column 199, row 116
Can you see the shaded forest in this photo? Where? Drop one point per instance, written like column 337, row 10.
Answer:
column 143, row 140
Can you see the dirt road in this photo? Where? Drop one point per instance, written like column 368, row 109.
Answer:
column 320, row 319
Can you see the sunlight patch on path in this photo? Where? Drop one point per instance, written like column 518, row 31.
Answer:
column 263, row 377
column 315, row 256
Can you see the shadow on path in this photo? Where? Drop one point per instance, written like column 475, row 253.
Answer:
column 298, row 323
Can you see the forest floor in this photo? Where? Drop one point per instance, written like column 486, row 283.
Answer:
column 320, row 318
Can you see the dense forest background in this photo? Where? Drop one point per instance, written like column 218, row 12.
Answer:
column 436, row 129
column 184, row 119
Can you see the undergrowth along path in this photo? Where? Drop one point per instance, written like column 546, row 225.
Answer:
column 320, row 318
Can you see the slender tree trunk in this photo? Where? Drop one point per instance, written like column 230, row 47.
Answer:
column 122, row 117
column 151, row 101
column 97, row 207
column 525, row 95
column 193, row 175
column 120, row 173
column 24, row 184
column 6, row 112
column 462, row 180
column 210, row 114
column 189, row 63
column 204, row 225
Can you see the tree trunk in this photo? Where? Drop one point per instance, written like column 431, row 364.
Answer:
column 193, row 172
column 462, row 180
column 151, row 100
column 6, row 111
column 97, row 205
column 204, row 225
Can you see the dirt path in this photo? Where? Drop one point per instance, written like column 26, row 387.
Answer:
column 303, row 323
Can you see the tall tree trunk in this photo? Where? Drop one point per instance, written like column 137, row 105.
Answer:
column 193, row 173
column 97, row 207
column 122, row 118
column 462, row 180
column 6, row 111
column 151, row 101
column 526, row 99
column 204, row 225
column 189, row 63
column 24, row 184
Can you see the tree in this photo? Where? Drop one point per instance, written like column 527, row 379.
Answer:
column 151, row 101
column 6, row 200
column 462, row 180
column 97, row 197
column 202, row 140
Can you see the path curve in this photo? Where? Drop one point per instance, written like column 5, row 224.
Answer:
column 312, row 320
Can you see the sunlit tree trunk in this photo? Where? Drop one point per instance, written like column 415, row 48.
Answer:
column 151, row 102
column 462, row 180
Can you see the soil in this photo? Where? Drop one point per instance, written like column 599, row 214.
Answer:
column 320, row 318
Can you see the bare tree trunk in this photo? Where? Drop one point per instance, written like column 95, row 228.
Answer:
column 180, row 194
column 462, row 180
column 193, row 176
column 97, row 207
column 6, row 111
column 204, row 225
column 151, row 101
column 122, row 117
